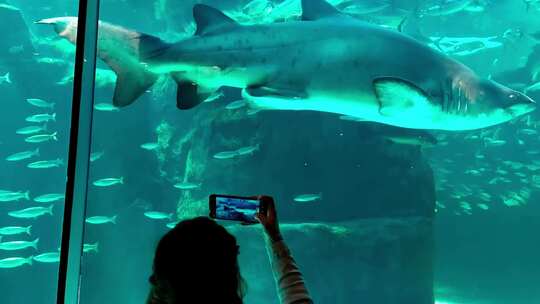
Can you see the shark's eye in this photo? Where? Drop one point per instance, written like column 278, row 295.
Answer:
column 512, row 96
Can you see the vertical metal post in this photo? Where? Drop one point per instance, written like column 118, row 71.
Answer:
column 79, row 153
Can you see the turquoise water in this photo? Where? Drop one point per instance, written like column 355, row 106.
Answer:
column 400, row 218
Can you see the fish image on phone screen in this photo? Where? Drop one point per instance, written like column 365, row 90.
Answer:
column 237, row 209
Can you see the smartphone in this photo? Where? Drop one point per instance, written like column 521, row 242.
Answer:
column 235, row 208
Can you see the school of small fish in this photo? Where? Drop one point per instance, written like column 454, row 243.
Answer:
column 20, row 205
column 503, row 172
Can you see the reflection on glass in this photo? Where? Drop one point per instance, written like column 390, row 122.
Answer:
column 363, row 204
column 36, row 69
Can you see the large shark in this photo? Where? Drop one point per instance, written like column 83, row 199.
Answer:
column 325, row 62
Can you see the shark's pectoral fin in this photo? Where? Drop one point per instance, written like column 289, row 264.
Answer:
column 187, row 95
column 190, row 94
column 277, row 98
column 397, row 96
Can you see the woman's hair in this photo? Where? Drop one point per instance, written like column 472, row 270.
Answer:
column 196, row 262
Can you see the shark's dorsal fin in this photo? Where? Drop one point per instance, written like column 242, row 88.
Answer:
column 209, row 19
column 317, row 9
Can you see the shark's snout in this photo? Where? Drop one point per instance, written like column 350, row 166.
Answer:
column 58, row 22
column 64, row 26
column 524, row 105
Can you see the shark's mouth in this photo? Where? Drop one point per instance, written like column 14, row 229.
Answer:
column 521, row 109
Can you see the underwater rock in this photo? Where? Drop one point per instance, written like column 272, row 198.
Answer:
column 16, row 42
column 385, row 260
column 359, row 177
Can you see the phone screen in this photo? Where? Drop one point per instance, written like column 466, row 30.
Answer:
column 236, row 208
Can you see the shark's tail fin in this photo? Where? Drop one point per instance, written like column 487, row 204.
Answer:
column 120, row 48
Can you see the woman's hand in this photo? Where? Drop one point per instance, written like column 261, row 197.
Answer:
column 268, row 218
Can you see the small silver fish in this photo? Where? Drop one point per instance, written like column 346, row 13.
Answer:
column 40, row 103
column 235, row 105
column 91, row 247
column 49, row 60
column 150, row 146
column 171, row 225
column 96, row 220
column 15, row 262
column 476, row 7
column 214, row 96
column 187, row 186
column 23, row 155
column 444, row 8
column 490, row 142
column 485, row 196
column 31, row 130
column 49, row 198
column 41, row 118
column 18, row 245
column 48, row 257
column 304, row 198
column 257, row 7
column 248, row 150
column 106, row 107
column 421, row 139
column 46, row 164
column 528, row 131
column 363, row 8
column 16, row 49
column 10, row 196
column 65, row 80
column 532, row 88
column 32, row 212
column 465, row 205
column 14, row 230
column 226, row 155
column 157, row 215
column 42, row 138
column 252, row 111
column 96, row 155
column 107, row 182
column 5, row 78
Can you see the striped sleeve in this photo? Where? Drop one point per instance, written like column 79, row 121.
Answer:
column 289, row 280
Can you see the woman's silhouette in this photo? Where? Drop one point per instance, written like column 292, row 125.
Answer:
column 196, row 262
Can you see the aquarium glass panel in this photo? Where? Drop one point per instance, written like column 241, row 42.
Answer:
column 36, row 85
column 398, row 138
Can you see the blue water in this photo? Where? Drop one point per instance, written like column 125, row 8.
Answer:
column 454, row 223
